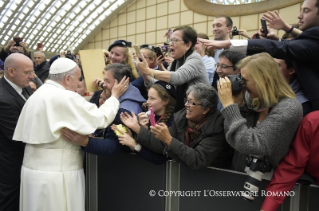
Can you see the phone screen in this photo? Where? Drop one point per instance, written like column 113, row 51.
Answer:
column 39, row 45
column 17, row 40
column 264, row 26
column 138, row 52
column 158, row 52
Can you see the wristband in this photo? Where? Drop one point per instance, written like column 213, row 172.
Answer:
column 290, row 30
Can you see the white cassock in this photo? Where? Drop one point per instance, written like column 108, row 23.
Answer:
column 52, row 177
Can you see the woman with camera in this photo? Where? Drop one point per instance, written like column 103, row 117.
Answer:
column 196, row 137
column 266, row 124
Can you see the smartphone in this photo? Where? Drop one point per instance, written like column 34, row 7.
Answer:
column 39, row 45
column 138, row 52
column 264, row 26
column 151, row 116
column 158, row 52
column 17, row 40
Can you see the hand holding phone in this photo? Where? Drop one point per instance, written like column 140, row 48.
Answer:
column 158, row 52
column 138, row 52
column 39, row 46
column 264, row 26
column 17, row 40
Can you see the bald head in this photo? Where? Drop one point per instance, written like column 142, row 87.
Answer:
column 15, row 60
column 18, row 69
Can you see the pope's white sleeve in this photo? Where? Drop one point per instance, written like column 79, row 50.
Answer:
column 110, row 108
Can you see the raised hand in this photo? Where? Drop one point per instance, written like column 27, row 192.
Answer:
column 119, row 88
column 130, row 121
column 143, row 120
column 161, row 132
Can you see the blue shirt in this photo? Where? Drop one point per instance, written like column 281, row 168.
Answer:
column 209, row 63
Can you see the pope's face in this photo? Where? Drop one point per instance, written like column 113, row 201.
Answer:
column 109, row 80
column 75, row 80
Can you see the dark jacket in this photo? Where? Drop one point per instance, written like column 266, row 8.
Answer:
column 208, row 149
column 4, row 55
column 11, row 152
column 42, row 71
column 303, row 52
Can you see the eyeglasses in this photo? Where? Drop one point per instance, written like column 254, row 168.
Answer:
column 173, row 40
column 222, row 66
column 191, row 103
column 27, row 72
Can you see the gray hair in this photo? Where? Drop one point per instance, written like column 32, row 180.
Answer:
column 205, row 94
column 60, row 76
column 39, row 52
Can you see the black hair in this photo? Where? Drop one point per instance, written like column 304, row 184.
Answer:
column 189, row 35
column 233, row 56
column 229, row 21
column 119, row 71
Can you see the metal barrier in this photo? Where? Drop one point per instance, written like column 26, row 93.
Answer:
column 127, row 182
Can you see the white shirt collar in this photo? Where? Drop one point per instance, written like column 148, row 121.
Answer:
column 54, row 83
column 14, row 86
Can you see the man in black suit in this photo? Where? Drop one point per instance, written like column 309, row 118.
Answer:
column 303, row 50
column 14, row 90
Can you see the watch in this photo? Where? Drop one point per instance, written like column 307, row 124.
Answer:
column 137, row 148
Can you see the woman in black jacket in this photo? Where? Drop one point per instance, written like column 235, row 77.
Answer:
column 196, row 137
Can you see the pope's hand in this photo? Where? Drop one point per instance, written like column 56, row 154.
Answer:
column 74, row 137
column 119, row 88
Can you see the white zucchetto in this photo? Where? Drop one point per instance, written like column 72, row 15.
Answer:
column 62, row 65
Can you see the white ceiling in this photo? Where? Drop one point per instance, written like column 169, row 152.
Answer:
column 58, row 24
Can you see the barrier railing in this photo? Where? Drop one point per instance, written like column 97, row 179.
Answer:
column 127, row 182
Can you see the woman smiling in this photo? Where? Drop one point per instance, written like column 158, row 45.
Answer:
column 196, row 137
column 186, row 69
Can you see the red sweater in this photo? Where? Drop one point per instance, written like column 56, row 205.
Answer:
column 303, row 156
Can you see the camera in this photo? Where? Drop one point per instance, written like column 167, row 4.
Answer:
column 255, row 167
column 69, row 55
column 234, row 32
column 236, row 84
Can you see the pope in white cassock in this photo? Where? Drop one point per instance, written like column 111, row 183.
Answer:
column 52, row 177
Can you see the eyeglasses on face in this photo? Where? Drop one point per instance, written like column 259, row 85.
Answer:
column 174, row 40
column 191, row 103
column 222, row 66
column 26, row 72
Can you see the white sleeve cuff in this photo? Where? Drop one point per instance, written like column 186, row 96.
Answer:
column 239, row 46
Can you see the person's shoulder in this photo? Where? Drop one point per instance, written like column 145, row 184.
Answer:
column 287, row 105
column 194, row 55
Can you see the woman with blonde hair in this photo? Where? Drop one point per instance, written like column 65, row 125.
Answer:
column 119, row 52
column 262, row 122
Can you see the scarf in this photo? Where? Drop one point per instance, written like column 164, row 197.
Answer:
column 193, row 130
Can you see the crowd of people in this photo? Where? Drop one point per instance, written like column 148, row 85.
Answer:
column 180, row 105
